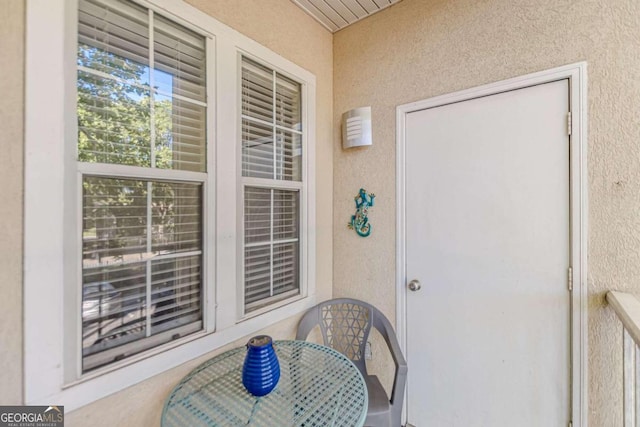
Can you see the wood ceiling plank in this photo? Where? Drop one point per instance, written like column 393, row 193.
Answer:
column 382, row 3
column 369, row 5
column 326, row 8
column 344, row 11
column 355, row 7
column 337, row 14
column 308, row 7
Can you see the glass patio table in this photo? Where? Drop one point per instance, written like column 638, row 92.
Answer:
column 318, row 387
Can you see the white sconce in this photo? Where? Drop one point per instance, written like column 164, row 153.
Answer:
column 356, row 128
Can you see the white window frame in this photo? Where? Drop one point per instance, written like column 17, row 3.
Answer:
column 273, row 184
column 73, row 359
column 52, row 244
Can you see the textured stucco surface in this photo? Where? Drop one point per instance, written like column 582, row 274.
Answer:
column 422, row 48
column 11, row 137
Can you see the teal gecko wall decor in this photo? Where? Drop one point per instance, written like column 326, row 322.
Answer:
column 360, row 221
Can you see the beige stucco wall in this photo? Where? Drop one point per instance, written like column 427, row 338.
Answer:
column 414, row 50
column 422, row 48
column 277, row 24
column 11, row 137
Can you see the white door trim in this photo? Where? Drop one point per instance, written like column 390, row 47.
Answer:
column 577, row 75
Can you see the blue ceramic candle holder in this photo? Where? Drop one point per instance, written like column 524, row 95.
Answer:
column 261, row 369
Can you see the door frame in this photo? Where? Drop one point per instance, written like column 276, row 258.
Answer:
column 578, row 179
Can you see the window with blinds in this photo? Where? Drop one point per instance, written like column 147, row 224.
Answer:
column 272, row 184
column 141, row 111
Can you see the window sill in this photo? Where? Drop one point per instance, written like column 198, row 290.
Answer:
column 99, row 384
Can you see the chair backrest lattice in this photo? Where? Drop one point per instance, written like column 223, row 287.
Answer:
column 345, row 324
column 345, row 327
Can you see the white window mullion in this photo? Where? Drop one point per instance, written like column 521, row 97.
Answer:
column 227, row 220
column 148, row 263
column 275, row 176
column 270, row 242
column 125, row 171
column 270, row 183
column 274, row 129
column 152, row 118
column 264, row 122
column 271, row 246
column 152, row 137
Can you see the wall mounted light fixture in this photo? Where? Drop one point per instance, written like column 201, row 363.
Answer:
column 356, row 128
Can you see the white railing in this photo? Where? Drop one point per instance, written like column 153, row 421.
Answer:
column 627, row 307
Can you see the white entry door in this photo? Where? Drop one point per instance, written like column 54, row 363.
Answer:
column 487, row 237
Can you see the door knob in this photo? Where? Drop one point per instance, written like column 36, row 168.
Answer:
column 414, row 285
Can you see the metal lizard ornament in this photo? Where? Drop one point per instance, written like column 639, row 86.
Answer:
column 359, row 221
